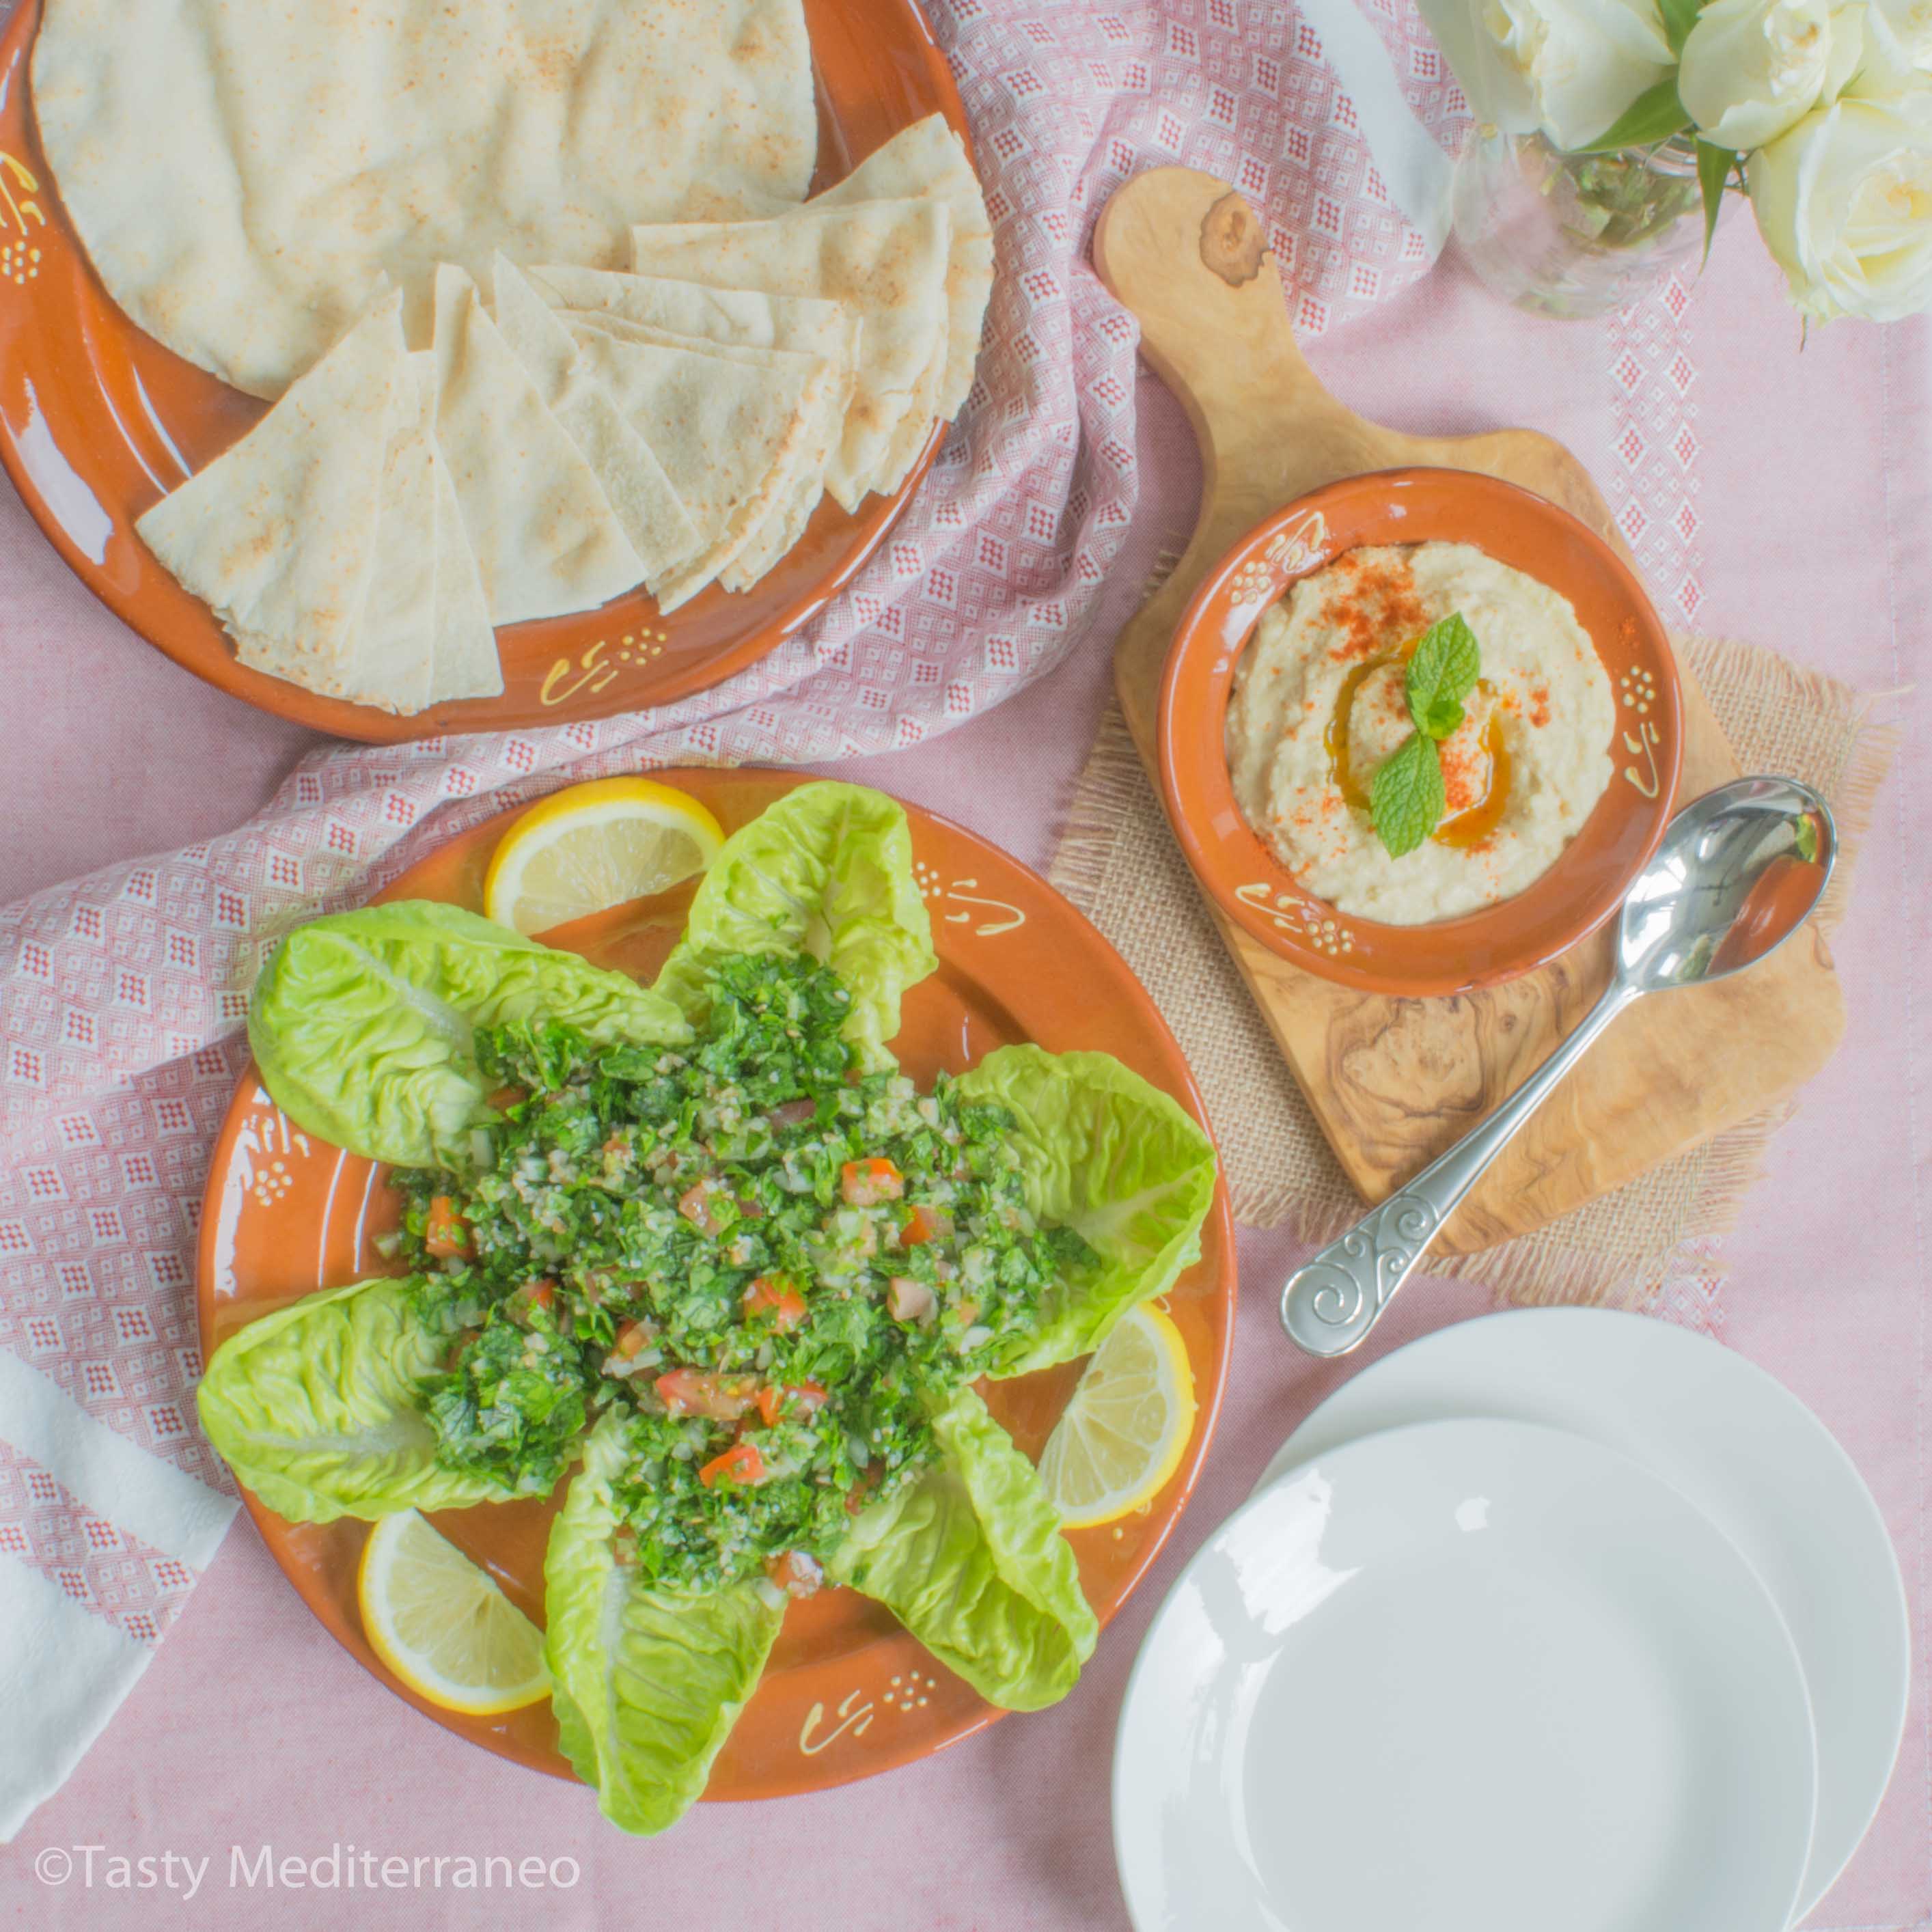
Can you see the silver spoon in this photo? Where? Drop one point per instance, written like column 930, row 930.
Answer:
column 1736, row 874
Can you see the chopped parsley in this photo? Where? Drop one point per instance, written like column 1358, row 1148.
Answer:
column 770, row 1264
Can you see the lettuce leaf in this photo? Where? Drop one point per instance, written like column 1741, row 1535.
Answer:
column 826, row 870
column 315, row 1408
column 970, row 1559
column 646, row 1684
column 1117, row 1160
column 364, row 1025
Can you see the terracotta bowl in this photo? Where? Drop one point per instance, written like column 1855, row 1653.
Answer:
column 1584, row 887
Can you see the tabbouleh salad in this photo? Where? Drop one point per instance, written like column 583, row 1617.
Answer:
column 768, row 1262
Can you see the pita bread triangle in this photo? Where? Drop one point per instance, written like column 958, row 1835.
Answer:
column 464, row 662
column 654, row 519
column 278, row 534
column 729, row 433
column 546, row 539
column 886, row 261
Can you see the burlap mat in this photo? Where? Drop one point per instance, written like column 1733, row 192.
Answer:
column 1119, row 863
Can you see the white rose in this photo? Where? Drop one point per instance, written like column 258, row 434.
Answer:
column 1569, row 67
column 1898, row 45
column 1844, row 201
column 1752, row 68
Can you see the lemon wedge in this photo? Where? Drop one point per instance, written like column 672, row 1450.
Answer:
column 595, row 846
column 444, row 1626
column 1123, row 1432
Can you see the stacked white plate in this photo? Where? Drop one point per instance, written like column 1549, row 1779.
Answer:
column 1557, row 1620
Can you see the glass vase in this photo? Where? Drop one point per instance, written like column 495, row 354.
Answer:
column 1574, row 235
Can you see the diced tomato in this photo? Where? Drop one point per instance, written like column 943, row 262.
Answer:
column 698, row 1204
column 536, row 1295
column 923, row 1224
column 773, row 1295
column 793, row 1113
column 446, row 1233
column 910, row 1300
column 632, row 1336
column 795, row 1573
column 698, row 1392
column 866, row 1184
column 505, row 1098
column 860, row 1493
column 775, row 1399
column 740, row 1463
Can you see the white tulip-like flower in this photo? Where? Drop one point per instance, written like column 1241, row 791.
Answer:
column 1844, row 201
column 1752, row 68
column 1568, row 67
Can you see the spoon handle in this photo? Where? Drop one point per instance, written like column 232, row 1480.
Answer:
column 1332, row 1301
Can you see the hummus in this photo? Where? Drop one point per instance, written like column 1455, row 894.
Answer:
column 1319, row 703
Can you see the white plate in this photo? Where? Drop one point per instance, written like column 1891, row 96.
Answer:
column 1742, row 1448
column 1468, row 1676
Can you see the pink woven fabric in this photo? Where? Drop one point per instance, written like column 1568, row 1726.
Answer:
column 119, row 996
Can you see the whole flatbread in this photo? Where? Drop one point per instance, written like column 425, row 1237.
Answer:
column 278, row 534
column 546, row 539
column 652, row 515
column 886, row 261
column 730, row 434
column 242, row 171
column 928, row 158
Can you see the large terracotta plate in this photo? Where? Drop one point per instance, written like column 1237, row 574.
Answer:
column 98, row 422
column 847, row 1693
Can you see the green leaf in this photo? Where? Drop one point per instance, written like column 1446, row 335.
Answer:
column 317, row 1408
column 1714, row 165
column 1808, row 839
column 826, row 870
column 364, row 1025
column 646, row 1684
column 1679, row 17
column 1124, row 1165
column 970, row 1559
column 1651, row 118
column 1406, row 797
column 1443, row 669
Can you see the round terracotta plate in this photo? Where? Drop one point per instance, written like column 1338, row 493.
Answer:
column 98, row 422
column 1587, row 882
column 847, row 1693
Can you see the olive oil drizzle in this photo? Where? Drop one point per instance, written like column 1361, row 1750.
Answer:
column 1465, row 829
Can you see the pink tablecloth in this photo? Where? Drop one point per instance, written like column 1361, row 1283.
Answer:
column 1779, row 495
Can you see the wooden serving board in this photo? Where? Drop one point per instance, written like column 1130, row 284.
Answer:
column 1394, row 1082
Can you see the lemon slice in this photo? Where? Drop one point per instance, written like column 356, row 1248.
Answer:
column 443, row 1625
column 595, row 846
column 1123, row 1432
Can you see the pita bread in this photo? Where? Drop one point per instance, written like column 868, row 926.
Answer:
column 730, row 435
column 391, row 654
column 652, row 515
column 278, row 534
column 464, row 660
column 886, row 261
column 546, row 539
column 242, row 171
column 928, row 158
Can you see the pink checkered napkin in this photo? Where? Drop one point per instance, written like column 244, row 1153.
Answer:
column 121, row 996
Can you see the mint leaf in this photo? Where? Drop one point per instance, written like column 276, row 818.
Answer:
column 1443, row 669
column 1406, row 797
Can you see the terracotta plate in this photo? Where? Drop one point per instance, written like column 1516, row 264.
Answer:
column 98, row 422
column 848, row 1692
column 1586, row 884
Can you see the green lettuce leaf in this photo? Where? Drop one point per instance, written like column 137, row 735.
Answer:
column 646, row 1684
column 364, row 1025
column 1115, row 1160
column 826, row 870
column 970, row 1559
column 315, row 1408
